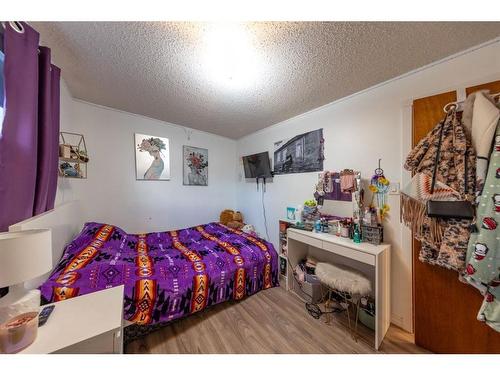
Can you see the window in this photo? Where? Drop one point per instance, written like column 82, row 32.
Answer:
column 299, row 151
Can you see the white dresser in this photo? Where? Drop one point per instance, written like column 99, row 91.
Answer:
column 372, row 260
column 88, row 324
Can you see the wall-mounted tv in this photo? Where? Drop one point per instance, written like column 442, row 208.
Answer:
column 257, row 165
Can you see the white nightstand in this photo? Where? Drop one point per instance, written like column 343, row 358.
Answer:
column 88, row 324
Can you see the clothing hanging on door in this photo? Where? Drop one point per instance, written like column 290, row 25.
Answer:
column 483, row 253
column 480, row 118
column 456, row 167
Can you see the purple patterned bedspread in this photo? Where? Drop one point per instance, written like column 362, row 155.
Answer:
column 167, row 275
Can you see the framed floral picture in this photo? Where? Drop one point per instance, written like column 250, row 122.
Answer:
column 195, row 169
column 152, row 157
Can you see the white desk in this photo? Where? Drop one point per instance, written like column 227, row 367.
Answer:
column 372, row 260
column 89, row 324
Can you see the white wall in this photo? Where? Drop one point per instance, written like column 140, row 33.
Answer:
column 358, row 131
column 111, row 192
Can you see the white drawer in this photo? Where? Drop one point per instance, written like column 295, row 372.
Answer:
column 349, row 253
column 306, row 239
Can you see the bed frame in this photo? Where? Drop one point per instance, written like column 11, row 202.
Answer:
column 65, row 222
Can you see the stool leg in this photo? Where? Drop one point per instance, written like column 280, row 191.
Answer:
column 348, row 315
column 330, row 306
column 327, row 305
column 356, row 323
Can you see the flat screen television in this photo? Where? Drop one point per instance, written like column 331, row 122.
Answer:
column 257, row 165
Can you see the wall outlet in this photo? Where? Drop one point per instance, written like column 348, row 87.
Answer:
column 394, row 188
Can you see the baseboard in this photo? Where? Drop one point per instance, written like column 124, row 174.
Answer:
column 401, row 323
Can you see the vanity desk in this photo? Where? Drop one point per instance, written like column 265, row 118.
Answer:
column 372, row 260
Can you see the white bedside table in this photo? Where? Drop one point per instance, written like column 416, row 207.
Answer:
column 88, row 324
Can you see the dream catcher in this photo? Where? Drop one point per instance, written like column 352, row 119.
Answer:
column 379, row 186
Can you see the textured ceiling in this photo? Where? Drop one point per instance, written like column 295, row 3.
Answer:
column 162, row 70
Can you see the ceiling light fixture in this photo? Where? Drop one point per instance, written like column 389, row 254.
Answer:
column 230, row 57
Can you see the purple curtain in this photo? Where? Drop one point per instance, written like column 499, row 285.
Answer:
column 29, row 134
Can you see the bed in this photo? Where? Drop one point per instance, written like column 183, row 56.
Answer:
column 167, row 275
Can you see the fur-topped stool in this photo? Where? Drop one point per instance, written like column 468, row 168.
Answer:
column 346, row 282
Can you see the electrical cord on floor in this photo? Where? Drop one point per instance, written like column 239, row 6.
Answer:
column 313, row 308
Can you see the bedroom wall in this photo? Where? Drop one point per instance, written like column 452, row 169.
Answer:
column 111, row 192
column 359, row 130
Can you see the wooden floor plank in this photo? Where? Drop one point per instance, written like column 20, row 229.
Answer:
column 272, row 321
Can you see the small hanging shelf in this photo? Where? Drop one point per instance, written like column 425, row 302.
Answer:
column 73, row 156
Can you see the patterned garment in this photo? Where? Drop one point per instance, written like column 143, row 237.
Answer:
column 483, row 254
column 347, row 182
column 448, row 249
column 167, row 275
column 420, row 189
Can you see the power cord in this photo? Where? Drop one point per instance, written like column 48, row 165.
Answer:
column 264, row 210
column 313, row 308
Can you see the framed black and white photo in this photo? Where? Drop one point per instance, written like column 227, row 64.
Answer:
column 302, row 153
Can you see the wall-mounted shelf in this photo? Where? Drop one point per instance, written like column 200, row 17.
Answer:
column 73, row 156
column 71, row 160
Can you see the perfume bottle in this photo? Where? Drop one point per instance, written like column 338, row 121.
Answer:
column 357, row 235
column 317, row 226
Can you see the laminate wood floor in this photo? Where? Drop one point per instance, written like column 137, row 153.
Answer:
column 272, row 321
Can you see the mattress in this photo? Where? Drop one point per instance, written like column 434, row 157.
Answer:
column 167, row 275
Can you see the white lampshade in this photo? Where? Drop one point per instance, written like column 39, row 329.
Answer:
column 24, row 255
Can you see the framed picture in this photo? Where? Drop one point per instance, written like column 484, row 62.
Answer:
column 299, row 154
column 195, row 166
column 290, row 213
column 152, row 157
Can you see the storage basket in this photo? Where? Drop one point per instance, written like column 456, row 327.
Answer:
column 309, row 292
column 372, row 234
column 312, row 279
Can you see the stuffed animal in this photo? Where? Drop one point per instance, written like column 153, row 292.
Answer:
column 249, row 229
column 232, row 219
column 237, row 216
column 237, row 222
column 226, row 216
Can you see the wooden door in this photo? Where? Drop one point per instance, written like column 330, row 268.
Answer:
column 445, row 309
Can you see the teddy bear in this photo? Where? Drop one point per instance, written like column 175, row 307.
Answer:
column 226, row 216
column 232, row 219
